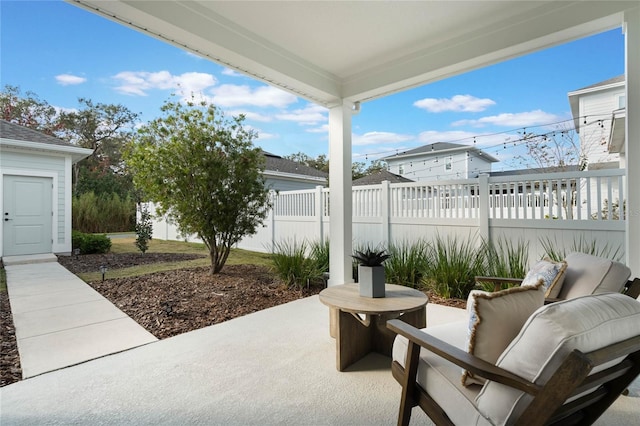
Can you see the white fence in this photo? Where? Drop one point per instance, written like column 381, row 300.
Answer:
column 559, row 207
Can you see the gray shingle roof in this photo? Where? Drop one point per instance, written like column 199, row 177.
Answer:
column 20, row 133
column 618, row 79
column 378, row 177
column 438, row 146
column 276, row 163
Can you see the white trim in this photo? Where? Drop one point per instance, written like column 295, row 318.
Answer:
column 55, row 246
column 294, row 176
column 596, row 89
column 76, row 152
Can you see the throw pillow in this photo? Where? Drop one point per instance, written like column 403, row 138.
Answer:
column 495, row 319
column 552, row 273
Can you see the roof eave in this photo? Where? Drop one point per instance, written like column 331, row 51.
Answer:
column 294, row 176
column 76, row 153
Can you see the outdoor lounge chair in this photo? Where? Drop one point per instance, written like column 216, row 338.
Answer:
column 582, row 275
column 568, row 363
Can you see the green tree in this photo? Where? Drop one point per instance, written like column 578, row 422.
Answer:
column 106, row 129
column 204, row 172
column 28, row 110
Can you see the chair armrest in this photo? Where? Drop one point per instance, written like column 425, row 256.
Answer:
column 462, row 358
column 498, row 281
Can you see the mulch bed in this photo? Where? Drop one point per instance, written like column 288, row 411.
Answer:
column 172, row 302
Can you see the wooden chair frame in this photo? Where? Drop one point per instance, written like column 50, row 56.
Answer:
column 548, row 405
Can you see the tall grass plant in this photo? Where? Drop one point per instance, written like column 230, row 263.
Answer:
column 453, row 265
column 408, row 263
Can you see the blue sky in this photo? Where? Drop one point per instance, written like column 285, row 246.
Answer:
column 62, row 53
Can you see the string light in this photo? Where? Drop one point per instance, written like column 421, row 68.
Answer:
column 485, row 147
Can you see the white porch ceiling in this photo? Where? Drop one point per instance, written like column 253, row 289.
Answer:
column 326, row 51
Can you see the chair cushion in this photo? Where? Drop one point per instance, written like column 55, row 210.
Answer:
column 552, row 273
column 587, row 274
column 495, row 319
column 586, row 323
column 441, row 378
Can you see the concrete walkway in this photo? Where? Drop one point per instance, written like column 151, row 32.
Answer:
column 60, row 320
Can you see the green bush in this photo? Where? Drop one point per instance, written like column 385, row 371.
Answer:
column 453, row 266
column 557, row 252
column 408, row 263
column 144, row 229
column 90, row 243
column 505, row 259
column 291, row 264
column 104, row 213
column 320, row 254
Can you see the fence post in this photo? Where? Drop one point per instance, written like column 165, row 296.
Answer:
column 318, row 213
column 483, row 206
column 272, row 218
column 385, row 208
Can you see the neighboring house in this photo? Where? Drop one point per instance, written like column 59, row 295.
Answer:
column 35, row 191
column 440, row 161
column 287, row 175
column 378, row 177
column 592, row 108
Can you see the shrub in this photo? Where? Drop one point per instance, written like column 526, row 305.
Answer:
column 90, row 243
column 505, row 259
column 453, row 266
column 556, row 252
column 320, row 255
column 144, row 229
column 408, row 263
column 104, row 213
column 292, row 265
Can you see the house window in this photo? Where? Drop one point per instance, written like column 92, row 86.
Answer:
column 401, row 169
column 622, row 101
column 447, row 164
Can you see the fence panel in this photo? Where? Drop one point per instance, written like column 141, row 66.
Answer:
column 567, row 206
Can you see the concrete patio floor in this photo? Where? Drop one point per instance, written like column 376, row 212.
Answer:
column 275, row 366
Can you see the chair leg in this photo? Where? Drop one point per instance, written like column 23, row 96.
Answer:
column 409, row 384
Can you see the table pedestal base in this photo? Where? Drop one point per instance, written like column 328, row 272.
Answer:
column 357, row 335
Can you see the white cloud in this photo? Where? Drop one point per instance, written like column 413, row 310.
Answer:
column 458, row 103
column 140, row 82
column 376, row 138
column 230, row 95
column 320, row 129
column 311, row 115
column 250, row 115
column 69, row 80
column 520, row 119
column 231, row 73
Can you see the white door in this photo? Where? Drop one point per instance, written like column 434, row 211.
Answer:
column 27, row 215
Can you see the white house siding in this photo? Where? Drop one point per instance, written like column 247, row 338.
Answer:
column 280, row 184
column 426, row 168
column 594, row 136
column 45, row 165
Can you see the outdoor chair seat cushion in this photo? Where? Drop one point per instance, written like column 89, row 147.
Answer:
column 587, row 274
column 441, row 378
column 585, row 323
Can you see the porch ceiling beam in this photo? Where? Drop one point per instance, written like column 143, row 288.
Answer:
column 560, row 23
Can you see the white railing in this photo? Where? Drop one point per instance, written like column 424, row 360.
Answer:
column 593, row 195
column 568, row 206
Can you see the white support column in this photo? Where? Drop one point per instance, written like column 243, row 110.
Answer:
column 632, row 140
column 340, row 203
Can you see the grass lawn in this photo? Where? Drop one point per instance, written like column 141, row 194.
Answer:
column 127, row 245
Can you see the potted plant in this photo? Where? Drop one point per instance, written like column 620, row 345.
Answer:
column 371, row 271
